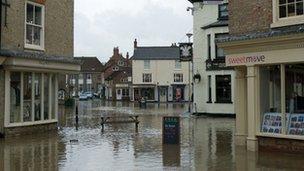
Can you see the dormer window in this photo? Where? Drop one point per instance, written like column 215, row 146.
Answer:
column 290, row 8
column 223, row 11
column 121, row 63
column 34, row 26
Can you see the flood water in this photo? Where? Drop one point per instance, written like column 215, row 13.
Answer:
column 206, row 143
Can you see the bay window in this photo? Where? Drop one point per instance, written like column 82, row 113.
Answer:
column 32, row 97
column 34, row 26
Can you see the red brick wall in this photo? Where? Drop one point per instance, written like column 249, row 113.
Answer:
column 246, row 16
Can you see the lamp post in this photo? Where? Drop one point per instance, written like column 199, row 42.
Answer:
column 189, row 35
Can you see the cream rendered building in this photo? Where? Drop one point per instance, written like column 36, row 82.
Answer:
column 158, row 75
column 213, row 93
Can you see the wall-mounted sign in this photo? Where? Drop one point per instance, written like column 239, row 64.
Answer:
column 171, row 130
column 186, row 51
column 245, row 60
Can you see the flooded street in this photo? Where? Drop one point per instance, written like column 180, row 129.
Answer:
column 206, row 144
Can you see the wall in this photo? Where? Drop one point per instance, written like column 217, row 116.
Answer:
column 249, row 16
column 162, row 72
column 58, row 21
column 202, row 17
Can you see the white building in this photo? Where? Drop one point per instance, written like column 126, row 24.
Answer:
column 213, row 93
column 158, row 75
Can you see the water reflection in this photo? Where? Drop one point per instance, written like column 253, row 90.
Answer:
column 206, row 144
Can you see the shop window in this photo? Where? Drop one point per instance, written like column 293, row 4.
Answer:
column 290, row 8
column 209, row 89
column 147, row 78
column 34, row 37
column 294, row 93
column 270, row 101
column 125, row 92
column 223, row 11
column 148, row 93
column 147, row 64
column 223, row 89
column 219, row 51
column 27, row 97
column 178, row 64
column 37, row 95
column 178, row 78
column 46, row 96
column 53, row 99
column 15, row 100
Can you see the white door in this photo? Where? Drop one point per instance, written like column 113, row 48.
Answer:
column 118, row 94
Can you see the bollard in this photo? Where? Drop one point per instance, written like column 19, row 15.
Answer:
column 76, row 118
column 102, row 124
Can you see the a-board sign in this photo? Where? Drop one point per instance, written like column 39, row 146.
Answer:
column 171, row 130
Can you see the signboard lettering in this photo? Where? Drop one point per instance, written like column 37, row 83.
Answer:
column 171, row 130
column 245, row 59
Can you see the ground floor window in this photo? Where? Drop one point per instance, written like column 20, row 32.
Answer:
column 282, row 99
column 223, row 88
column 125, row 92
column 148, row 93
column 32, row 96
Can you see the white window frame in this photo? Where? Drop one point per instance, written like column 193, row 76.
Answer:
column 281, row 22
column 178, row 77
column 178, row 65
column 42, row 36
column 143, row 78
column 7, row 123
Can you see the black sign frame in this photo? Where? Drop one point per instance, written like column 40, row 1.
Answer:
column 186, row 52
column 171, row 130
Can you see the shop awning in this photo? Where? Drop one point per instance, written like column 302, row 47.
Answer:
column 20, row 60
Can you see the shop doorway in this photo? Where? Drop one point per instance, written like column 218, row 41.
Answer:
column 163, row 94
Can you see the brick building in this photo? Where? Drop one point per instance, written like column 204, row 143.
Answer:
column 265, row 46
column 117, row 74
column 90, row 78
column 36, row 46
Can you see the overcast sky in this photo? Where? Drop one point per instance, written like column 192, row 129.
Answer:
column 102, row 24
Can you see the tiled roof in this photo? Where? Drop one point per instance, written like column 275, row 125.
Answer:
column 90, row 64
column 156, row 53
column 275, row 32
column 37, row 56
column 219, row 23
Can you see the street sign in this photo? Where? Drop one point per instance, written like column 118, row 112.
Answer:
column 186, row 51
column 171, row 130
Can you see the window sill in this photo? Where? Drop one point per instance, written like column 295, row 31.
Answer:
column 224, row 102
column 10, row 125
column 34, row 47
column 295, row 137
column 288, row 21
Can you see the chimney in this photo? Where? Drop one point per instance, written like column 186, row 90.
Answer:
column 135, row 43
column 116, row 51
column 127, row 56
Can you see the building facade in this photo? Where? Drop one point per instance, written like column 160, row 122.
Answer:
column 158, row 75
column 265, row 46
column 35, row 49
column 214, row 92
column 90, row 78
column 118, row 75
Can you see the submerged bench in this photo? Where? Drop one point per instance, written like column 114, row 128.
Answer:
column 119, row 119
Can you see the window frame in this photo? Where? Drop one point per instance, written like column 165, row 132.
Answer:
column 40, row 47
column 216, row 88
column 180, row 77
column 286, row 21
column 219, row 12
column 149, row 64
column 143, row 78
column 216, row 47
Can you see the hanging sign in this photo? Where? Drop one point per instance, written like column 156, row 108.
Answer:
column 171, row 130
column 186, row 51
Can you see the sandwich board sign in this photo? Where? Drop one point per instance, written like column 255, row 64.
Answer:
column 171, row 130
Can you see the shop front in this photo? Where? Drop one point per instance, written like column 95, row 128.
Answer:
column 144, row 91
column 30, row 93
column 269, row 91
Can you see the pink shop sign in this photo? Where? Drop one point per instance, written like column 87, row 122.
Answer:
column 245, row 60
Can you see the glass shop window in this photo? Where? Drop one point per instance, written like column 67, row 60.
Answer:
column 38, row 98
column 270, row 99
column 15, row 94
column 46, row 97
column 223, row 88
column 27, row 96
column 294, row 93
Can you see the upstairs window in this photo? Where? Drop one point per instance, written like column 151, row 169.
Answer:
column 147, row 64
column 290, row 8
column 178, row 78
column 34, row 29
column 223, row 11
column 219, row 51
column 147, row 78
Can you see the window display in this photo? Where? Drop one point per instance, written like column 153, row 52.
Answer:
column 15, row 100
column 27, row 97
column 37, row 90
